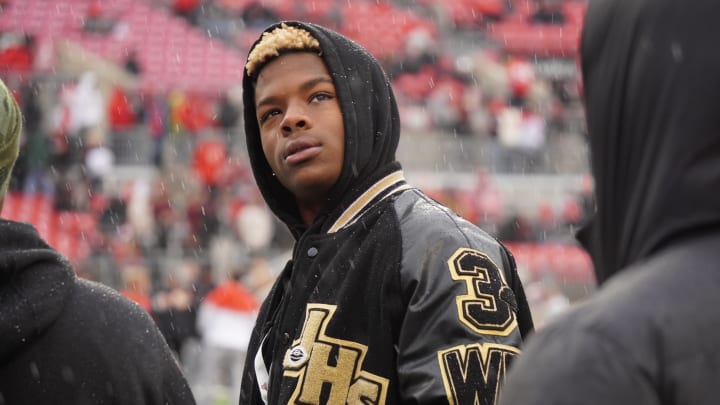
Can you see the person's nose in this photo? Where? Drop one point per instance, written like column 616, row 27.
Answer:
column 296, row 119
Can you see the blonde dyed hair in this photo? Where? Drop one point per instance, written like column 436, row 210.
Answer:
column 272, row 43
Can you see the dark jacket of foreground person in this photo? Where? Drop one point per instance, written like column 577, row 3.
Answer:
column 650, row 335
column 64, row 340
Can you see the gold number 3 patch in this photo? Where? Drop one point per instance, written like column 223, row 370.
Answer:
column 488, row 307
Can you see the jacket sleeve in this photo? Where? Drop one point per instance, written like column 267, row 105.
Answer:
column 524, row 316
column 460, row 329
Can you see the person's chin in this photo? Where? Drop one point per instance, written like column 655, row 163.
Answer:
column 309, row 183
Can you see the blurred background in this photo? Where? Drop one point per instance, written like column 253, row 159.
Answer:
column 133, row 162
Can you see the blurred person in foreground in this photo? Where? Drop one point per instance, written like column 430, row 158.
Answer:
column 65, row 340
column 650, row 335
column 389, row 297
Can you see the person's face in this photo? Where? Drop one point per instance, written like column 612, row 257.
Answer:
column 301, row 125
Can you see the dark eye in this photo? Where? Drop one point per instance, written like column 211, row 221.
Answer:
column 267, row 115
column 321, row 97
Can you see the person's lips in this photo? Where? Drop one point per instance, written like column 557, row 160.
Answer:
column 300, row 150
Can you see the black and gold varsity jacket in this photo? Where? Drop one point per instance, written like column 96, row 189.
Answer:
column 390, row 298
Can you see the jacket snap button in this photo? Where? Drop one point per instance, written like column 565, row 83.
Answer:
column 312, row 252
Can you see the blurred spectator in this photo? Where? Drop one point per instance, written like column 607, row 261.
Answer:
column 17, row 52
column 71, row 190
column 114, row 215
column 420, row 51
column 35, row 153
column 189, row 112
column 521, row 74
column 224, row 254
column 225, row 321
column 492, row 10
column 124, row 246
column 516, row 228
column 100, row 265
column 209, row 156
column 202, row 219
column 484, row 203
column 139, row 213
column 167, row 216
column 186, row 116
column 255, row 226
column 479, row 120
column 229, row 108
column 137, row 286
column 490, row 68
column 572, row 213
column 99, row 159
column 175, row 308
column 218, row 22
column 132, row 63
column 28, row 98
column 445, row 105
column 85, row 103
column 156, row 117
column 547, row 300
column 260, row 277
column 188, row 9
column 121, row 111
column 96, row 19
column 546, row 224
column 257, row 16
column 548, row 12
column 523, row 133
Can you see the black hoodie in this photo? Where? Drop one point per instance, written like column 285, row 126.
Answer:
column 372, row 130
column 64, row 340
column 381, row 302
column 651, row 74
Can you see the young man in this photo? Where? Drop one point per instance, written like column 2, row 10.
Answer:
column 64, row 340
column 650, row 335
column 389, row 298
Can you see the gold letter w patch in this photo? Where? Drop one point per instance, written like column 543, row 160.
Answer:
column 473, row 374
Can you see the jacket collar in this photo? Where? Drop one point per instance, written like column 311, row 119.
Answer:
column 383, row 188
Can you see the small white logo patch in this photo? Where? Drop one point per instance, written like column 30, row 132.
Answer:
column 296, row 357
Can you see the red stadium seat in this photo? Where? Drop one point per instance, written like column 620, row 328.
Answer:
column 565, row 262
column 537, row 40
column 165, row 44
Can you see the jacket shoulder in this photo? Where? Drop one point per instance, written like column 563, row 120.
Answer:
column 128, row 349
column 427, row 224
column 99, row 304
column 106, row 342
column 117, row 321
